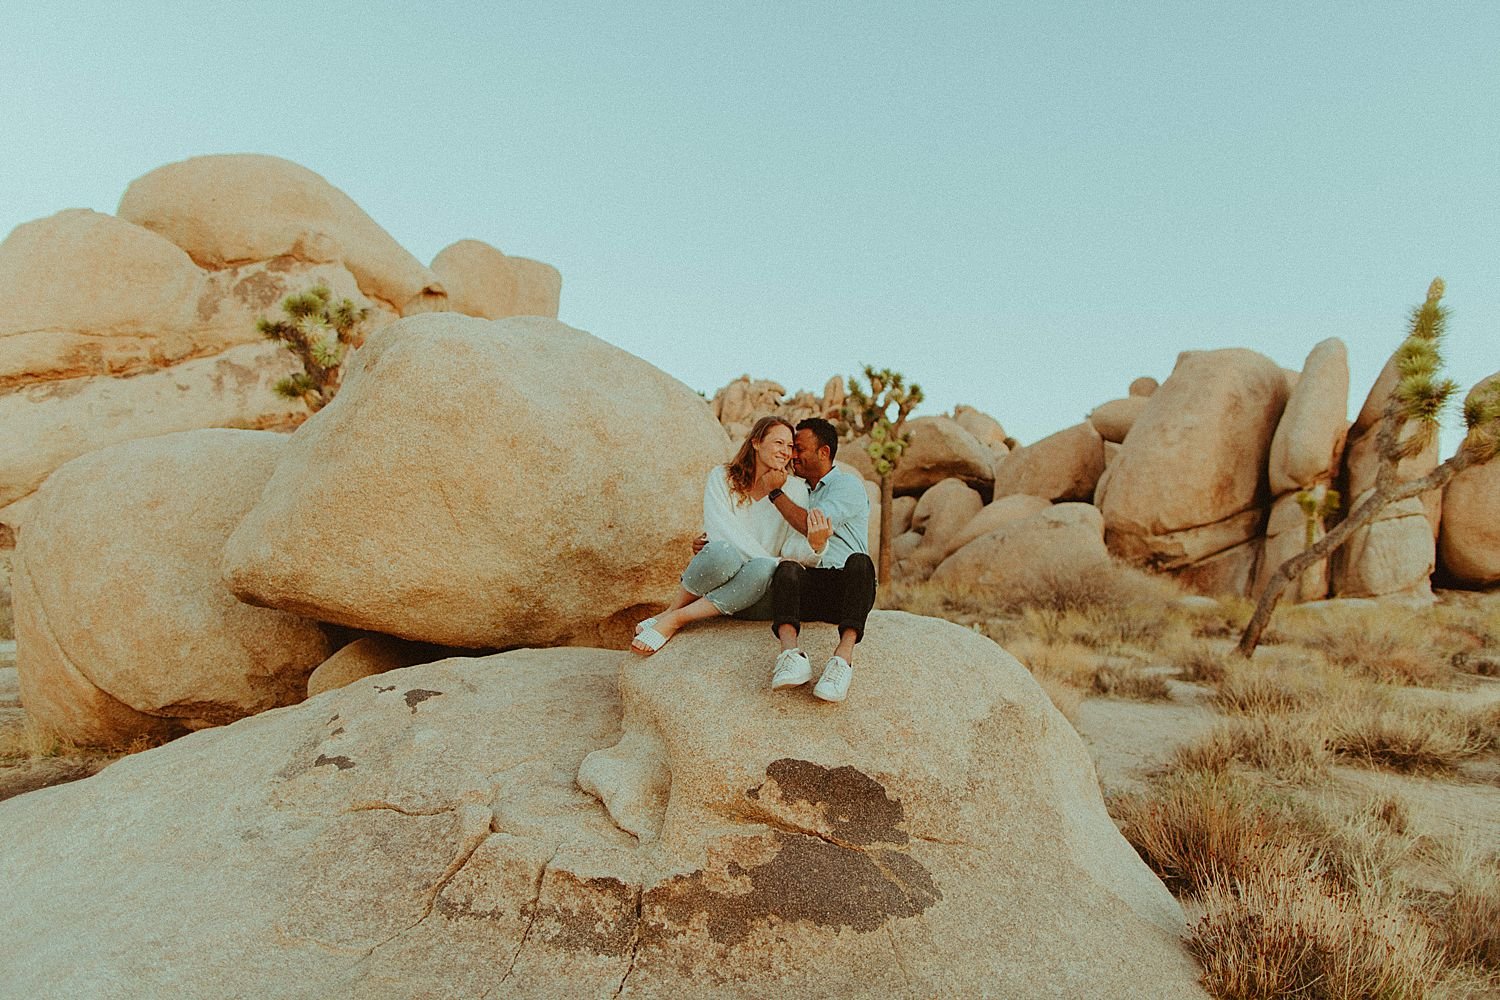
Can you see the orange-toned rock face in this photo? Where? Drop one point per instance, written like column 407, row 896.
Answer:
column 124, row 628
column 1062, row 466
column 234, row 209
column 484, row 484
column 939, row 834
column 1304, row 448
column 481, row 281
column 1195, row 459
column 1470, row 541
column 941, row 449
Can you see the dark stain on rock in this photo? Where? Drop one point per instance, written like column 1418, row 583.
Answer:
column 603, row 922
column 809, row 880
column 416, row 696
column 856, row 804
column 342, row 763
column 332, row 720
column 337, row 732
column 259, row 290
column 383, row 690
column 285, row 262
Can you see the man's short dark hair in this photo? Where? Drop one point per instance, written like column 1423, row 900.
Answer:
column 824, row 432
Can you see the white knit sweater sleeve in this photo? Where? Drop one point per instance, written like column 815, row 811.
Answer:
column 793, row 544
column 720, row 522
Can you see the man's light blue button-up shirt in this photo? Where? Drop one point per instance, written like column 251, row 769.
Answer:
column 841, row 495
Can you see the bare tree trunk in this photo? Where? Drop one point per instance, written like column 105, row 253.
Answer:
column 1386, row 493
column 883, row 577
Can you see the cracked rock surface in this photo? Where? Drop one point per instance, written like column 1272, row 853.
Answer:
column 427, row 833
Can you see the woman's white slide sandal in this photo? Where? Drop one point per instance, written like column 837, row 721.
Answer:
column 649, row 638
column 644, row 624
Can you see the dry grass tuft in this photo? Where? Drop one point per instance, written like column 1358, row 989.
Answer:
column 1197, row 661
column 1418, row 740
column 1066, row 663
column 7, row 621
column 1064, row 697
column 1393, row 645
column 30, row 741
column 1226, row 621
column 1466, row 920
column 1283, row 745
column 1132, row 683
column 1282, row 929
column 1193, row 827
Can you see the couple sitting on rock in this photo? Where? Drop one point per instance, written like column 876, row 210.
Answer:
column 789, row 548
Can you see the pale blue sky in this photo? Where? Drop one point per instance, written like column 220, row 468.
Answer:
column 1021, row 206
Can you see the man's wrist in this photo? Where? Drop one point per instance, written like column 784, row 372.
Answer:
column 775, row 494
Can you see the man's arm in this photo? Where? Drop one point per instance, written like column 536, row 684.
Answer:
column 795, row 516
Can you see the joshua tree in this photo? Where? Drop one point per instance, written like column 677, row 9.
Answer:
column 1408, row 425
column 870, row 414
column 317, row 330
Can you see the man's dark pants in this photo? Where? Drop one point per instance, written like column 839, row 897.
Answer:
column 842, row 597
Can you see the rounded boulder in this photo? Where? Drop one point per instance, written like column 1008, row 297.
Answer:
column 484, row 483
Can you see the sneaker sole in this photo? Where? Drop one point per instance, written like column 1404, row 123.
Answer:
column 832, row 701
column 778, row 684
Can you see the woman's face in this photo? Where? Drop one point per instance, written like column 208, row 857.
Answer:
column 775, row 449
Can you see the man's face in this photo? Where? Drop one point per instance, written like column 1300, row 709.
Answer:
column 806, row 457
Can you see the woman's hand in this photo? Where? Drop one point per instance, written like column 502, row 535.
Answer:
column 819, row 529
column 771, row 479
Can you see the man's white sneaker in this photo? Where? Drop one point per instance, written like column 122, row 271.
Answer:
column 792, row 669
column 834, row 684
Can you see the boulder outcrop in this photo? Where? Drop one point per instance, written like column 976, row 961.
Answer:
column 1114, row 419
column 1305, row 449
column 1062, row 540
column 1469, row 544
column 941, row 513
column 1190, row 480
column 995, row 515
column 123, row 626
column 232, row 209
column 1060, row 467
column 482, row 281
column 434, row 450
column 941, row 449
column 1393, row 555
column 426, row 821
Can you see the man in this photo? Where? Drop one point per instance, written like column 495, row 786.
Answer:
column 841, row 588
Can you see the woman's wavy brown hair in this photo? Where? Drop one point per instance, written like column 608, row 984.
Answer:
column 742, row 466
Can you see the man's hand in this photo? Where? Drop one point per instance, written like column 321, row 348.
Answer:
column 774, row 479
column 819, row 528
column 699, row 542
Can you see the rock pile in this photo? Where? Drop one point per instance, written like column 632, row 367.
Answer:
column 1215, row 477
column 118, row 327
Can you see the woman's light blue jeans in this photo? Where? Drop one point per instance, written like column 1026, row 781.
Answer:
column 729, row 580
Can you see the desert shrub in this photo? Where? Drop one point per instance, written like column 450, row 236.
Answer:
column 1276, row 681
column 1393, row 645
column 1227, row 618
column 1466, row 920
column 1065, row 662
column 1484, row 726
column 1406, row 738
column 7, row 621
column 1197, row 661
column 1283, row 745
column 1130, row 682
column 1280, row 928
column 1195, row 826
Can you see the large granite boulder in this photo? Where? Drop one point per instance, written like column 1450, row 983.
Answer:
column 1061, row 541
column 482, row 281
column 421, row 833
column 231, row 209
column 1469, row 545
column 1190, row 480
column 940, row 514
column 1286, row 537
column 88, row 294
column 123, row 625
column 995, row 515
column 1393, row 555
column 1114, row 419
column 941, row 449
column 1305, row 447
column 484, row 483
column 1060, row 467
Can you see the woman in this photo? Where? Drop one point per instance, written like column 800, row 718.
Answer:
column 747, row 536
